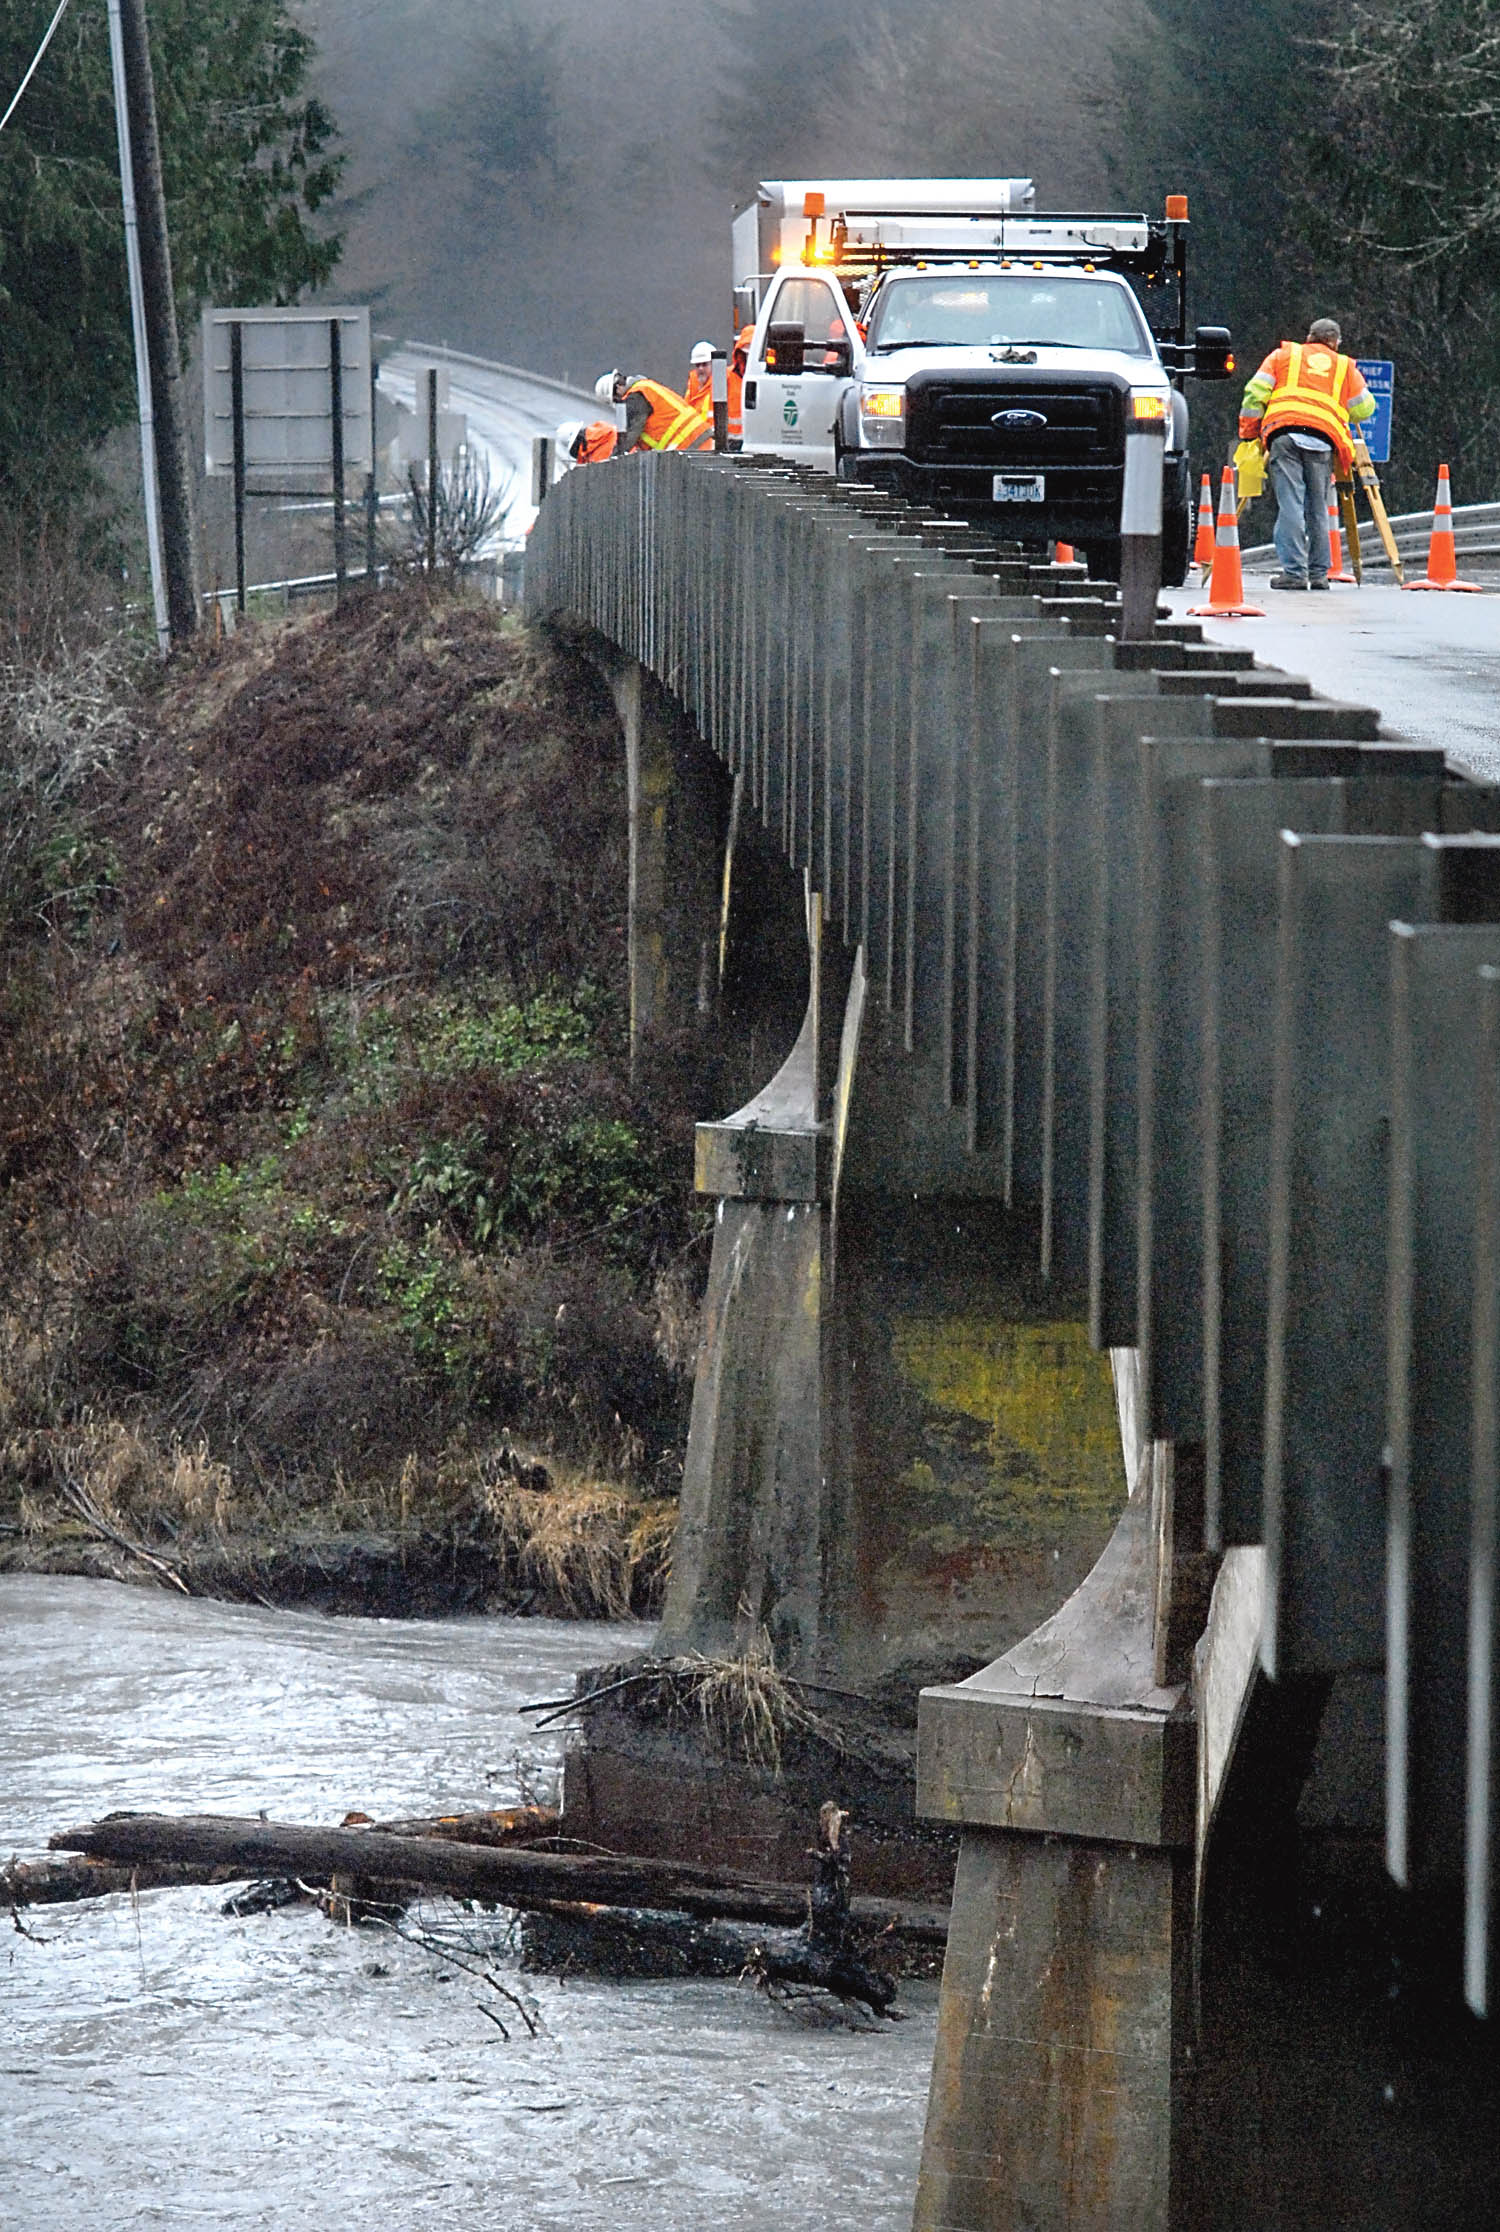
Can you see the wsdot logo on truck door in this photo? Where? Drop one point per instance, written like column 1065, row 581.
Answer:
column 789, row 411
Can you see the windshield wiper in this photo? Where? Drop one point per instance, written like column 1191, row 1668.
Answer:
column 882, row 348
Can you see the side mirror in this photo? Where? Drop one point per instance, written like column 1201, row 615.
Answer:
column 838, row 357
column 786, row 349
column 1213, row 353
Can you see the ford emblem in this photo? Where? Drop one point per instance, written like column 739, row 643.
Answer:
column 1019, row 422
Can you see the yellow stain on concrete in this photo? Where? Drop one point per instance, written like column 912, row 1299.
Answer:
column 1043, row 1397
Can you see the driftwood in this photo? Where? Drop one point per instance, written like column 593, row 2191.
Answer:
column 58, row 1882
column 824, row 1955
column 514, row 1877
column 53, row 1882
column 83, row 1506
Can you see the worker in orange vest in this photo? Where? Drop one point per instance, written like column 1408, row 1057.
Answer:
column 737, row 362
column 698, row 391
column 591, row 444
column 656, row 416
column 1300, row 406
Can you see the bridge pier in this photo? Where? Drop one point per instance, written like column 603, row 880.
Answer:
column 761, row 1535
column 1064, row 2019
column 678, row 803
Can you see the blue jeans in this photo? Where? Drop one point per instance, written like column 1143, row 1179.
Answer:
column 1302, row 480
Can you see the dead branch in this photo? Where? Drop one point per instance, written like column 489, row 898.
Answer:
column 83, row 1506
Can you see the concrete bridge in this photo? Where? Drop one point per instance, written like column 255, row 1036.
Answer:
column 1151, row 1013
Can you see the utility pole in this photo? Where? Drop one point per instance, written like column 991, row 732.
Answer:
column 138, row 334
column 179, row 543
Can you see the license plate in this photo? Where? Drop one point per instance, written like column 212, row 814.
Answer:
column 1020, row 488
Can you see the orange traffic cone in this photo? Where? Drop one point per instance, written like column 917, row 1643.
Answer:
column 1442, row 556
column 1336, row 545
column 1062, row 554
column 1226, row 589
column 1203, row 548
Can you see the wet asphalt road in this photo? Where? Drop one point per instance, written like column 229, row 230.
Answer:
column 1430, row 663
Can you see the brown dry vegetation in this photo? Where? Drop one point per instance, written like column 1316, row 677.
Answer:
column 324, row 1190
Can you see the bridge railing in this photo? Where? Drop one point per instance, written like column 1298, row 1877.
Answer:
column 1211, row 966
column 1476, row 534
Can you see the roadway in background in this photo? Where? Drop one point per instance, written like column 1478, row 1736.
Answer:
column 1429, row 662
column 506, row 409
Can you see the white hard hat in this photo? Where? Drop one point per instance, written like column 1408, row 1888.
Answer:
column 604, row 386
column 568, row 433
column 703, row 353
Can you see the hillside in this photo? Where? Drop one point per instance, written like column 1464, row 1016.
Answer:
column 554, row 186
column 342, row 1260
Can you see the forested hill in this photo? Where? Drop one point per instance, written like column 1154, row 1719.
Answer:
column 552, row 183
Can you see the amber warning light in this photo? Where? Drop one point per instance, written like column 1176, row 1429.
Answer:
column 1177, row 209
column 812, row 205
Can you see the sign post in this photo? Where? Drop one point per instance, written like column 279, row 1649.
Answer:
column 288, row 409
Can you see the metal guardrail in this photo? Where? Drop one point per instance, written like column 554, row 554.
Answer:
column 1476, row 534
column 1254, row 1119
column 504, row 568
column 445, row 355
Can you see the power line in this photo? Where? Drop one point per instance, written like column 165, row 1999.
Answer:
column 62, row 9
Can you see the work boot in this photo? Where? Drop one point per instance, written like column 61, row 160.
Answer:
column 1287, row 581
column 1318, row 584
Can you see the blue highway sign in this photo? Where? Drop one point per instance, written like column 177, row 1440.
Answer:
column 1380, row 379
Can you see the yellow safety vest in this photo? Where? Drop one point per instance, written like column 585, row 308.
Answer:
column 1311, row 393
column 674, row 423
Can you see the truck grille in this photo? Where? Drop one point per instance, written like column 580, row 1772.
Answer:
column 949, row 423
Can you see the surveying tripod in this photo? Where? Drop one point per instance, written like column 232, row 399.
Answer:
column 1364, row 472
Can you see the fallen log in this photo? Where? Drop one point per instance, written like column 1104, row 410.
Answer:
column 623, row 1943
column 501, row 1876
column 55, row 1882
column 25, row 1883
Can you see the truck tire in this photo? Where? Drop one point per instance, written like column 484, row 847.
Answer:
column 1176, row 527
column 1104, row 560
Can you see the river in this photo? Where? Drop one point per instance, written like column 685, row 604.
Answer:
column 161, row 2065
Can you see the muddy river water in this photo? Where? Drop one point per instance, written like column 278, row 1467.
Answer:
column 161, row 2065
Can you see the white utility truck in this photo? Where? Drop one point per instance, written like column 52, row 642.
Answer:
column 942, row 338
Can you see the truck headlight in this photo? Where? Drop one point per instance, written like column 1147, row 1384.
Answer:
column 882, row 417
column 1146, row 406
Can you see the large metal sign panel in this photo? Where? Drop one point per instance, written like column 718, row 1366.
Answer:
column 287, row 378
column 1380, row 379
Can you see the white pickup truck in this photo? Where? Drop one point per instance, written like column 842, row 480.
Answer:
column 940, row 338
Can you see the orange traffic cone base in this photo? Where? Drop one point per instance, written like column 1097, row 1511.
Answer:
column 1226, row 612
column 1442, row 553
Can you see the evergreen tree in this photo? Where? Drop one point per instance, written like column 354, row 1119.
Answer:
column 1223, row 98
column 499, row 117
column 784, row 99
column 1407, row 198
column 245, row 156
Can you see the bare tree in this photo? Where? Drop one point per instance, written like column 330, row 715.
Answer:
column 467, row 508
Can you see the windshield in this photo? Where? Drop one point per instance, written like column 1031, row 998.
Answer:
column 1044, row 309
